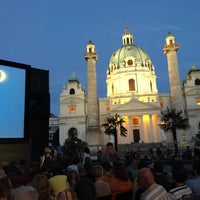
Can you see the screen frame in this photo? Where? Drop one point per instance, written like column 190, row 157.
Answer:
column 26, row 130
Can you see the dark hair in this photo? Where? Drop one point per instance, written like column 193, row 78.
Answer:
column 196, row 166
column 86, row 150
column 5, row 187
column 179, row 173
column 85, row 189
column 106, row 165
column 158, row 166
column 109, row 144
column 119, row 170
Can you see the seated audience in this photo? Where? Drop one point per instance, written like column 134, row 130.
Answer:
column 24, row 193
column 5, row 188
column 41, row 184
column 85, row 189
column 181, row 191
column 194, row 182
column 102, row 187
column 159, row 176
column 120, row 181
column 151, row 190
column 58, row 181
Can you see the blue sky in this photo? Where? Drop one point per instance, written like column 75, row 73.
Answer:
column 53, row 35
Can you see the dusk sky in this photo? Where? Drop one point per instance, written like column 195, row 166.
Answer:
column 52, row 35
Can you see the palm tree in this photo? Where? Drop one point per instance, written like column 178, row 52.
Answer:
column 171, row 121
column 112, row 126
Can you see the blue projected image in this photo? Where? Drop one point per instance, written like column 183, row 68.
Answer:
column 12, row 101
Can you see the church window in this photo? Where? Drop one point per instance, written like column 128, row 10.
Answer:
column 90, row 50
column 135, row 121
column 171, row 42
column 72, row 109
column 130, row 62
column 197, row 81
column 198, row 101
column 108, row 107
column 127, row 40
column 112, row 88
column 151, row 86
column 131, row 85
column 72, row 91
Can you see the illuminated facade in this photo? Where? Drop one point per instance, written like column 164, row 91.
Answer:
column 131, row 93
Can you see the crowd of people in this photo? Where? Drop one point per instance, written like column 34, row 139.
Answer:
column 112, row 178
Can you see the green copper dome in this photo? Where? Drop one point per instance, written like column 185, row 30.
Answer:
column 140, row 56
column 130, row 55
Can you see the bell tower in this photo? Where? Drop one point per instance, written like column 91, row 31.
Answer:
column 93, row 128
column 170, row 50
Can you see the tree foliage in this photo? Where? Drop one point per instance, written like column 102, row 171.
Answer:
column 172, row 120
column 112, row 125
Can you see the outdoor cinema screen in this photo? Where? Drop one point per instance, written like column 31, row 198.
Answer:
column 12, row 100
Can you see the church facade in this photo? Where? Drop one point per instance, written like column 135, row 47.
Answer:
column 131, row 93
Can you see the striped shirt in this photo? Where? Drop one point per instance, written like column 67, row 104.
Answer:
column 181, row 192
column 155, row 192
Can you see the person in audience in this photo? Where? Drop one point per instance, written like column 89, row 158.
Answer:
column 41, row 183
column 85, row 189
column 181, row 191
column 107, row 171
column 151, row 190
column 159, row 176
column 120, row 181
column 103, row 190
column 5, row 188
column 110, row 154
column 58, row 181
column 133, row 169
column 194, row 182
column 69, row 194
column 24, row 193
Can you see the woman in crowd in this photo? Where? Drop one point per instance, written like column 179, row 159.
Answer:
column 41, row 184
column 103, row 190
column 120, row 181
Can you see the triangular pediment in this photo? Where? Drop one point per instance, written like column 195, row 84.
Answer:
column 135, row 104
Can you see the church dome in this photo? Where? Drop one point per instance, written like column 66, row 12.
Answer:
column 130, row 70
column 129, row 55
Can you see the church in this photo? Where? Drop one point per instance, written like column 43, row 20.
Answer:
column 131, row 93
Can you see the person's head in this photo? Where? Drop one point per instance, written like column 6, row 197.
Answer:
column 145, row 178
column 2, row 173
column 86, row 150
column 109, row 144
column 119, row 170
column 5, row 187
column 196, row 167
column 179, row 173
column 97, row 171
column 24, row 193
column 158, row 166
column 40, row 183
column 72, row 177
column 85, row 189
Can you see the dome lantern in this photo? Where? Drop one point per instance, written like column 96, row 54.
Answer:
column 127, row 37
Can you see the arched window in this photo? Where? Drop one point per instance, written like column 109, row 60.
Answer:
column 197, row 82
column 72, row 91
column 112, row 88
column 151, row 86
column 131, row 85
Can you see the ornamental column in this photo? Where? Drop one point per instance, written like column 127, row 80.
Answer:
column 170, row 50
column 92, row 101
